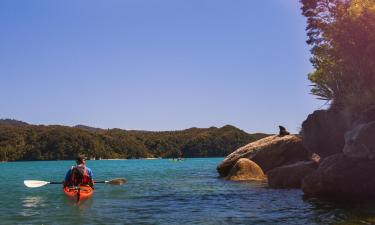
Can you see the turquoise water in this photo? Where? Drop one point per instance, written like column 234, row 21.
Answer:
column 161, row 192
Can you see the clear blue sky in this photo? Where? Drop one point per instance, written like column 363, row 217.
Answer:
column 155, row 64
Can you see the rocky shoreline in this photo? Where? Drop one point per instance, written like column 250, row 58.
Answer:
column 332, row 158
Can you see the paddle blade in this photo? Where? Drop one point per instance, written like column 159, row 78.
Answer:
column 35, row 183
column 118, row 181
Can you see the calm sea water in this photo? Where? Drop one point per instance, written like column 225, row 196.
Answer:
column 161, row 192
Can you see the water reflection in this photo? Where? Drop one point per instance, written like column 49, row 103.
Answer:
column 31, row 205
column 33, row 201
column 82, row 205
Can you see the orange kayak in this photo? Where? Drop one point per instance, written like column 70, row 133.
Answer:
column 79, row 193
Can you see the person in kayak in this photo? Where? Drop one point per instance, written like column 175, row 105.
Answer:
column 79, row 174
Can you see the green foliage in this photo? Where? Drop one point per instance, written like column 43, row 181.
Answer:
column 29, row 142
column 342, row 35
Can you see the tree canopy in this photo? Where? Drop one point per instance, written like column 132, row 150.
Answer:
column 342, row 36
column 21, row 141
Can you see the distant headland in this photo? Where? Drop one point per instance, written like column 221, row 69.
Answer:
column 22, row 141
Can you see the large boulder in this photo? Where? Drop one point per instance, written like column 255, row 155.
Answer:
column 323, row 132
column 290, row 176
column 268, row 153
column 246, row 170
column 360, row 142
column 342, row 178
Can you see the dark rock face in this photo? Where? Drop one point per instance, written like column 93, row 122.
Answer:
column 290, row 176
column 346, row 143
column 365, row 116
column 246, row 170
column 342, row 178
column 360, row 142
column 268, row 153
column 323, row 132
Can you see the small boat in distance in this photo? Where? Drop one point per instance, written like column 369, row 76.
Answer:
column 177, row 159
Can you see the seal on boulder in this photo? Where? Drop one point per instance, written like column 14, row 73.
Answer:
column 283, row 131
column 268, row 153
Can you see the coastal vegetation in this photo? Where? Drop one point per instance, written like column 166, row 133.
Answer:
column 342, row 36
column 334, row 155
column 21, row 141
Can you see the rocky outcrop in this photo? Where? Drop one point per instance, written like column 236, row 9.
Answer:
column 323, row 132
column 246, row 170
column 366, row 116
column 290, row 176
column 268, row 153
column 342, row 178
column 346, row 143
column 360, row 142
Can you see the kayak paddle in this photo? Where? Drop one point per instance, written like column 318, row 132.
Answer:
column 38, row 183
column 41, row 183
column 117, row 181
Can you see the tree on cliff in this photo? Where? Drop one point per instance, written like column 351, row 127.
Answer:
column 342, row 36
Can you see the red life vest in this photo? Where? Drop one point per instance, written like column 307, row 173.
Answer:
column 79, row 176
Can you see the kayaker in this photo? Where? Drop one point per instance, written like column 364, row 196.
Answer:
column 79, row 174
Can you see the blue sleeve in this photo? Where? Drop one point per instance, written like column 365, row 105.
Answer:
column 89, row 172
column 67, row 176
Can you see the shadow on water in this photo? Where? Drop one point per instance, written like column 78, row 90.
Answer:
column 328, row 212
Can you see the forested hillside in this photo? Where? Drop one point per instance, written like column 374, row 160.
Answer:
column 21, row 141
